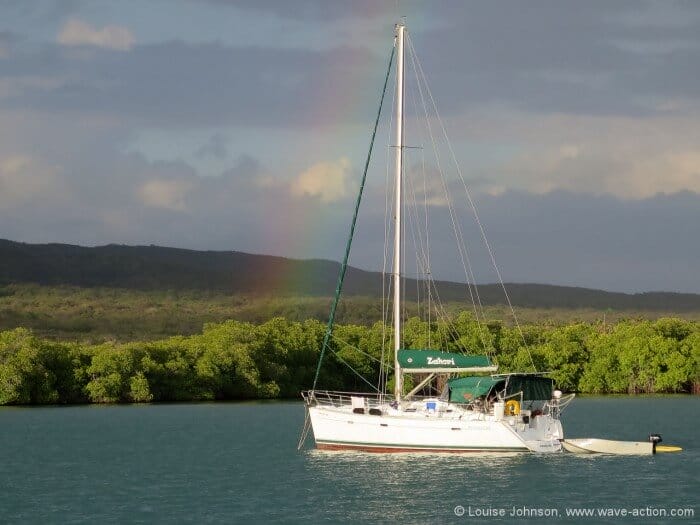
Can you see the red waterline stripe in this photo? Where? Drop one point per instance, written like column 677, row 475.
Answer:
column 381, row 449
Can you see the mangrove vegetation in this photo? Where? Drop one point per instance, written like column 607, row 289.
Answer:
column 234, row 360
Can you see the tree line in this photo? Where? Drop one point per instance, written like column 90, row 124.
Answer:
column 278, row 358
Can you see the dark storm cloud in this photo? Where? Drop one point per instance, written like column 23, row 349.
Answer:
column 565, row 238
column 543, row 56
column 42, row 10
column 617, row 244
column 564, row 56
column 176, row 83
column 215, row 147
column 313, row 9
column 8, row 37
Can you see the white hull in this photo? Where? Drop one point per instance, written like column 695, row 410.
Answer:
column 338, row 428
column 607, row 446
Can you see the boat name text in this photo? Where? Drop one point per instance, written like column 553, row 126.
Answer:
column 440, row 361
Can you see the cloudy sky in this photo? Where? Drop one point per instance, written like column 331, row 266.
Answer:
column 243, row 125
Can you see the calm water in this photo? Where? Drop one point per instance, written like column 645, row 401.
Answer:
column 237, row 463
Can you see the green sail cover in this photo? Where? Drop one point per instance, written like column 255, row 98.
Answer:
column 436, row 360
column 467, row 389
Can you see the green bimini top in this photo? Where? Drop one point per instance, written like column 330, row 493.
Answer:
column 467, row 389
column 421, row 361
column 533, row 387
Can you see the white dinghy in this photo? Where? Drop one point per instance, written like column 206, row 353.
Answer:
column 607, row 446
column 624, row 448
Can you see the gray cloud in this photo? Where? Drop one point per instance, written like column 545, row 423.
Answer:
column 313, row 9
column 550, row 57
column 42, row 9
column 215, row 147
column 565, row 238
column 564, row 57
column 178, row 84
column 616, row 244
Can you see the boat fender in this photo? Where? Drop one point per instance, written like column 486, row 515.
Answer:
column 512, row 407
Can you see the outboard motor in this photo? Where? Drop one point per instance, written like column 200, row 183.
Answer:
column 655, row 439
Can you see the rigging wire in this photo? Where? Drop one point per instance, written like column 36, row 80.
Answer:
column 472, row 205
column 422, row 267
column 305, row 429
column 459, row 236
column 430, row 282
column 388, row 210
column 353, row 347
column 425, row 249
column 428, row 270
column 421, row 250
column 352, row 369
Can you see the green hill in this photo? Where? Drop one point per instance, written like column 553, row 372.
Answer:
column 151, row 268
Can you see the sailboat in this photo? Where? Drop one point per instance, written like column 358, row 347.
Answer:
column 477, row 409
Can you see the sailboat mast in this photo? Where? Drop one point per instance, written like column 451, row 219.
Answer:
column 398, row 378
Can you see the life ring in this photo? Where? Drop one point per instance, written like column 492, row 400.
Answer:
column 512, row 407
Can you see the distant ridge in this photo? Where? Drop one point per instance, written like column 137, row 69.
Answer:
column 159, row 268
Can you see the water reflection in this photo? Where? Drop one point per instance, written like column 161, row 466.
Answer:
column 365, row 482
column 237, row 463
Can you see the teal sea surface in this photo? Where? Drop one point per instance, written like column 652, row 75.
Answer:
column 238, row 463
